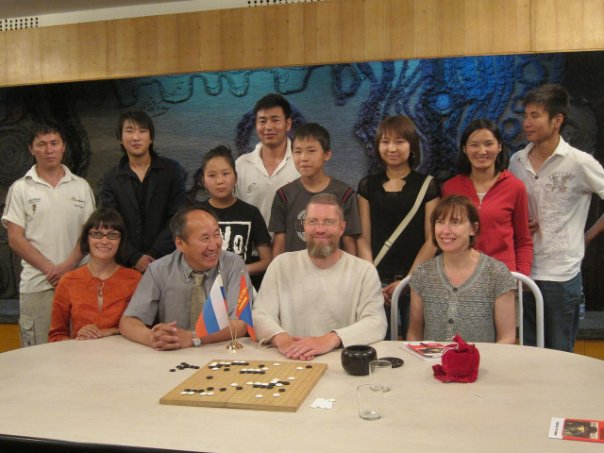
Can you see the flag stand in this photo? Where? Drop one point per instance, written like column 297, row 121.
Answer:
column 234, row 346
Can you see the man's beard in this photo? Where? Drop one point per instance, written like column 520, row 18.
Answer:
column 320, row 250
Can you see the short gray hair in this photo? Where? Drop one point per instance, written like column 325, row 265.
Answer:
column 328, row 199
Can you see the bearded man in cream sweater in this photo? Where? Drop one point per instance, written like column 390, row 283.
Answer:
column 315, row 300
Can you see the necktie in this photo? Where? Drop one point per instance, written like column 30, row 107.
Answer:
column 198, row 297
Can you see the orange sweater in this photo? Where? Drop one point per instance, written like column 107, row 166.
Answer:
column 75, row 304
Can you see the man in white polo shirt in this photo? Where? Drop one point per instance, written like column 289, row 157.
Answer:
column 270, row 165
column 44, row 213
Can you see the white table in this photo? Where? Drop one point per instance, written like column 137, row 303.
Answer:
column 107, row 391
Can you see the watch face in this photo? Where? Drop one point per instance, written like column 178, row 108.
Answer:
column 196, row 342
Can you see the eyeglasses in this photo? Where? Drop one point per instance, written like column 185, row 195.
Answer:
column 112, row 235
column 327, row 223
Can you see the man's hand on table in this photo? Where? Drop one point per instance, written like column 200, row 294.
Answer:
column 305, row 348
column 167, row 337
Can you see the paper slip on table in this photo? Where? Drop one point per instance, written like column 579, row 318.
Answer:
column 248, row 384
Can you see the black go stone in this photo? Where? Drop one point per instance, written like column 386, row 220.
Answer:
column 239, row 388
column 209, row 377
column 223, row 389
column 172, row 370
column 282, row 390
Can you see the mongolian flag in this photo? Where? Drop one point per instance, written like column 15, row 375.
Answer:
column 244, row 311
column 214, row 315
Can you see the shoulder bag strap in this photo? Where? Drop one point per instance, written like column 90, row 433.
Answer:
column 400, row 228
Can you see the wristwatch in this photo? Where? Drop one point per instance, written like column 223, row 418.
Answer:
column 196, row 340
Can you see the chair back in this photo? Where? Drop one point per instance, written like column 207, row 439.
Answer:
column 394, row 307
column 520, row 279
column 530, row 284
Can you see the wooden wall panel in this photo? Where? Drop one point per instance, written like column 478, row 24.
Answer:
column 333, row 31
column 59, row 53
column 92, row 49
column 567, row 25
column 22, row 58
column 120, row 49
column 210, row 37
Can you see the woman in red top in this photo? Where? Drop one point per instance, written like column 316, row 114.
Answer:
column 498, row 195
column 90, row 300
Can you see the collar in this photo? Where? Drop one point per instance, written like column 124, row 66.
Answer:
column 188, row 270
column 256, row 157
column 383, row 177
column 32, row 173
column 561, row 150
column 123, row 167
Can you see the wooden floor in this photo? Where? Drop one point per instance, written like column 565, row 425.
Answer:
column 590, row 348
column 9, row 337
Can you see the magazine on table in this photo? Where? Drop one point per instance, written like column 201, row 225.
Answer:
column 576, row 429
column 426, row 349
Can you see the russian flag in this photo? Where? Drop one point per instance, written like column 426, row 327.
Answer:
column 214, row 315
column 244, row 311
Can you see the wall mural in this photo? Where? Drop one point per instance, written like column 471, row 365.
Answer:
column 195, row 112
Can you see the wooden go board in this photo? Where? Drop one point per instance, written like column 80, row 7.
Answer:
column 248, row 384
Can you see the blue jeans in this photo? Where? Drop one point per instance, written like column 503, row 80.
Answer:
column 561, row 313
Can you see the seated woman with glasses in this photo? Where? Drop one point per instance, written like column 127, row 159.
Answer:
column 90, row 300
column 461, row 291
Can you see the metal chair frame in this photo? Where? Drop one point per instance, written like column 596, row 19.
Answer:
column 520, row 279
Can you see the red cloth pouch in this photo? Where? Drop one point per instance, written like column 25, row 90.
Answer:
column 459, row 362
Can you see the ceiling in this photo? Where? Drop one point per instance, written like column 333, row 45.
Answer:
column 22, row 8
column 17, row 14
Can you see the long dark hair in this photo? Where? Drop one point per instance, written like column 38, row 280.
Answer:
column 463, row 163
column 219, row 151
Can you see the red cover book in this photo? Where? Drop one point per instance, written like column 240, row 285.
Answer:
column 576, row 429
column 426, row 349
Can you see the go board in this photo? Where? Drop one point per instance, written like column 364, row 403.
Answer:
column 248, row 384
